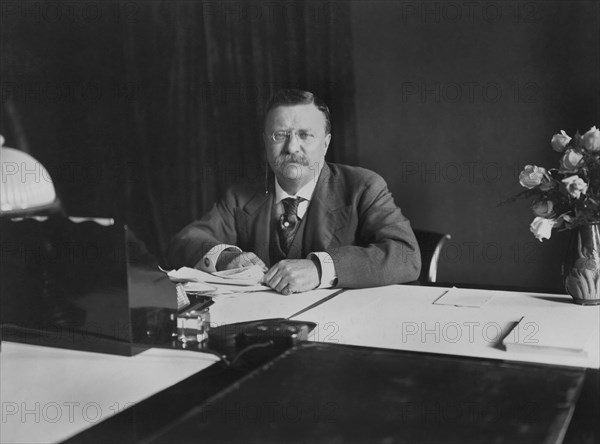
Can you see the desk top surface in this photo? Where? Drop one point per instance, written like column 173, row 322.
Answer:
column 50, row 394
column 470, row 322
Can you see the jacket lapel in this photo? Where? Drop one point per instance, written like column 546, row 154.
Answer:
column 326, row 214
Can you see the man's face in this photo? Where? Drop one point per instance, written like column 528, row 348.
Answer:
column 298, row 153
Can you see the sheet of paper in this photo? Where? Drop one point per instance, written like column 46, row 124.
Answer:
column 404, row 317
column 223, row 289
column 199, row 287
column 252, row 275
column 229, row 309
column 212, row 285
column 220, row 289
column 461, row 297
column 549, row 332
column 186, row 274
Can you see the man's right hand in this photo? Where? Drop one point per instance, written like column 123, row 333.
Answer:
column 229, row 260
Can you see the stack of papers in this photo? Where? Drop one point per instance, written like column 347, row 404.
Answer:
column 246, row 275
column 239, row 280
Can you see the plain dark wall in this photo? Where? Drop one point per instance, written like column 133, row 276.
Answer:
column 453, row 99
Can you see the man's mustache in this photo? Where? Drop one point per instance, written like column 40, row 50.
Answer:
column 284, row 159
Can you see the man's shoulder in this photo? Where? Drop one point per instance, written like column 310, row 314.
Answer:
column 242, row 191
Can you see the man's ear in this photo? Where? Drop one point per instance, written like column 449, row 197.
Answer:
column 327, row 142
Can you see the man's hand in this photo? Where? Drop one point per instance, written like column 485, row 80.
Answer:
column 293, row 276
column 228, row 260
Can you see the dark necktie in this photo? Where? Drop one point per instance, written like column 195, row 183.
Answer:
column 288, row 222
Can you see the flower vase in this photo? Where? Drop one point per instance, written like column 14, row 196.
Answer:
column 581, row 268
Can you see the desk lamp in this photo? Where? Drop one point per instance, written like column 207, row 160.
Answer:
column 27, row 188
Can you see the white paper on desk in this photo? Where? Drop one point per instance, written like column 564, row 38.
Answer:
column 187, row 274
column 550, row 332
column 251, row 275
column 199, row 287
column 221, row 289
column 229, row 309
column 461, row 297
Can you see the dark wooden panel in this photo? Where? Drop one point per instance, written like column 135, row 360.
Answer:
column 332, row 393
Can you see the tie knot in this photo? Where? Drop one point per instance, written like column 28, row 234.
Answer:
column 290, row 205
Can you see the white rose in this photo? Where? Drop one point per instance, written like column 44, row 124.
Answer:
column 591, row 139
column 531, row 176
column 560, row 141
column 575, row 186
column 571, row 161
column 542, row 228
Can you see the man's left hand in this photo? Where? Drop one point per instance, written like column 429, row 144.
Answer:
column 293, row 276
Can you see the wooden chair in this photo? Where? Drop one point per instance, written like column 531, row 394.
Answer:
column 430, row 244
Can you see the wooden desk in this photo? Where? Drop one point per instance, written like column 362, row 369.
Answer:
column 412, row 380
column 49, row 394
column 330, row 393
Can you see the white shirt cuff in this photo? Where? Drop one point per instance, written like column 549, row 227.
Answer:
column 328, row 274
column 208, row 262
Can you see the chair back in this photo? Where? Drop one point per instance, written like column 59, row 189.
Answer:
column 430, row 244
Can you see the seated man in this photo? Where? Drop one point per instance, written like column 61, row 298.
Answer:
column 316, row 224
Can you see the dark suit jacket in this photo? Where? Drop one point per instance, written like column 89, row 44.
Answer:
column 352, row 216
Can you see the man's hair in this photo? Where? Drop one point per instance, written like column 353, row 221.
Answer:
column 291, row 97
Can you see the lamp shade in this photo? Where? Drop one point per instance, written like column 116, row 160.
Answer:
column 26, row 184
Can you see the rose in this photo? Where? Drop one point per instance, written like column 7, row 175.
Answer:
column 571, row 161
column 560, row 141
column 575, row 186
column 591, row 139
column 542, row 228
column 531, row 176
column 543, row 208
